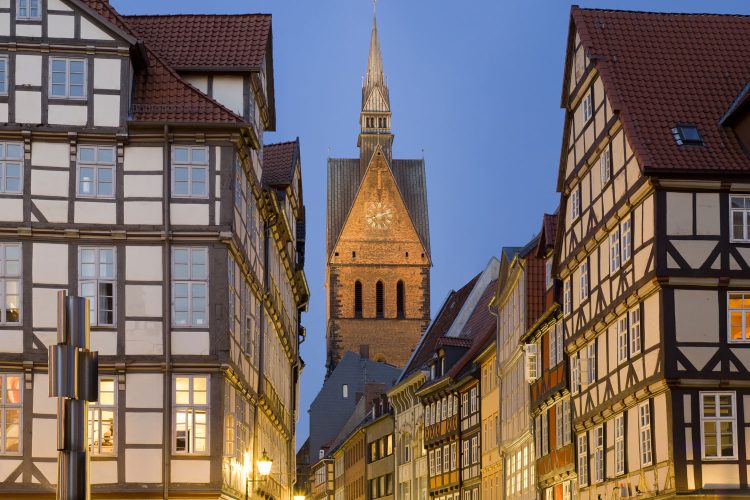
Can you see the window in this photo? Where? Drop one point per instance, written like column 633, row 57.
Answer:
column 454, row 451
column 599, row 454
column 575, row 203
column 445, row 408
column 739, row 317
column 567, row 490
column 446, row 458
column 568, row 297
column 620, row 444
column 567, row 422
column 438, row 461
column 584, row 281
column 718, row 425
column 532, row 362
column 635, row 330
column 400, row 299
column 11, row 165
column 432, row 463
column 475, row 450
column 345, row 391
column 358, row 299
column 190, row 287
column 10, row 283
column 559, row 334
column 614, row 250
column 11, row 408
column 4, row 75
column 687, row 134
column 552, row 348
column 28, row 9
column 67, row 78
column 96, row 282
column 474, row 400
column 626, row 240
column 379, row 300
column 740, row 214
column 465, row 458
column 96, row 171
column 427, row 415
column 588, row 107
column 545, row 433
column 559, row 425
column 102, row 415
column 583, row 460
column 605, row 165
column 190, row 172
column 191, row 414
column 644, row 433
column 548, row 273
column 575, row 375
column 622, row 339
column 591, row 362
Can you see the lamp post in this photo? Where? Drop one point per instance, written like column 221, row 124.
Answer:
column 264, row 469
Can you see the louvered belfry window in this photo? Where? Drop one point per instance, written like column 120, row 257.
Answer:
column 379, row 300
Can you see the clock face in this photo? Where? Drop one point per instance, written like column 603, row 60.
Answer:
column 379, row 215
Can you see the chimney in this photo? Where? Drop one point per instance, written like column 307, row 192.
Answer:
column 364, row 351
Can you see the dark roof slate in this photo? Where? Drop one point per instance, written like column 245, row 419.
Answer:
column 662, row 69
column 278, row 163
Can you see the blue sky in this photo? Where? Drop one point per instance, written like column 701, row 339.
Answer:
column 475, row 88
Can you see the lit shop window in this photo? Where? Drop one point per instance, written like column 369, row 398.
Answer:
column 191, row 414
column 739, row 317
column 102, row 418
column 718, row 425
column 11, row 407
column 10, row 284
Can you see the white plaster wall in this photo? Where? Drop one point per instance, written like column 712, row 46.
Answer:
column 104, row 342
column 141, row 158
column 189, row 342
column 143, row 466
column 44, row 438
column 34, row 30
column 696, row 315
column 45, row 307
column 61, row 114
column 198, row 81
column 229, row 91
column 106, row 110
column 679, row 213
column 107, row 73
column 143, row 186
column 4, row 112
column 144, row 390
column 56, row 5
column 53, row 211
column 143, row 337
column 143, row 301
column 61, row 26
column 189, row 214
column 144, row 428
column 12, row 341
column 95, row 213
column 720, row 475
column 48, row 470
column 42, row 404
column 143, row 212
column 707, row 214
column 47, row 338
column 143, row 263
column 191, row 471
column 28, row 107
column 50, row 263
column 50, row 154
column 49, row 183
column 11, row 209
column 28, row 70
column 5, row 24
column 7, row 467
column 90, row 31
column 103, row 472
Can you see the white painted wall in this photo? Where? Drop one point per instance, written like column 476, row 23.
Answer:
column 143, row 466
column 106, row 110
column 189, row 214
column 87, row 212
column 229, row 91
column 53, row 211
column 28, row 107
column 34, row 30
column 143, row 158
column 49, row 183
column 107, row 73
column 50, row 154
column 190, row 342
column 90, row 31
column 144, row 428
column 45, row 307
column 57, row 5
column 143, row 337
column 12, row 210
column 143, row 263
column 143, row 186
column 143, row 212
column 198, row 81
column 50, row 263
column 191, row 471
column 144, row 390
column 61, row 114
column 60, row 26
column 28, row 70
column 143, row 300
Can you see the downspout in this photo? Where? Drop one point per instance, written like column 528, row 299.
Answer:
column 167, row 291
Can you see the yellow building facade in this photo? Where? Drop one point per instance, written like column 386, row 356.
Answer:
column 490, row 414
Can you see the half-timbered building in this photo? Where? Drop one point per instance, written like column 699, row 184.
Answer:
column 133, row 173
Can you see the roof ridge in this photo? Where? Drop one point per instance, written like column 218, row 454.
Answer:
column 279, row 143
column 659, row 13
column 197, row 14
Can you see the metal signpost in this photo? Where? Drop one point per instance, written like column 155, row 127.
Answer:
column 73, row 379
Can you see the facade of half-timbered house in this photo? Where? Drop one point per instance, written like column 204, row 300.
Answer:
column 491, row 472
column 133, row 174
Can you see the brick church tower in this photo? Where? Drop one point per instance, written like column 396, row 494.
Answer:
column 378, row 241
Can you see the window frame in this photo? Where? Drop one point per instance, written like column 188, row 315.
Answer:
column 744, row 315
column 68, row 84
column 190, row 164
column 29, row 9
column 97, row 165
column 644, row 434
column 583, row 459
column 718, row 419
column 636, row 334
column 97, row 280
column 615, row 249
column 626, row 240
column 6, row 278
column 5, row 407
column 5, row 161
column 591, row 366
column 190, row 281
column 745, row 211
column 588, row 107
column 575, row 203
column 599, row 449
column 4, row 82
column 584, row 281
column 619, row 422
column 605, row 165
column 93, row 407
column 191, row 406
column 623, row 341
column 568, row 297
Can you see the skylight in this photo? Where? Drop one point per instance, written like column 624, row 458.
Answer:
column 687, row 134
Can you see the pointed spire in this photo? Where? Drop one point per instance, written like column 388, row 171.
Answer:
column 375, row 75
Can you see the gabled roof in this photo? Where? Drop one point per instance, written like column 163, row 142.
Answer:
column 279, row 161
column 200, row 41
column 344, row 177
column 547, row 235
column 660, row 70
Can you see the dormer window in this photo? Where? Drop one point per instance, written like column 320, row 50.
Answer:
column 28, row 10
column 687, row 134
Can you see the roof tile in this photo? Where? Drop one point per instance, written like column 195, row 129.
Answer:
column 278, row 162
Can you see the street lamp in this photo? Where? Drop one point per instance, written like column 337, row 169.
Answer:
column 264, row 465
column 299, row 496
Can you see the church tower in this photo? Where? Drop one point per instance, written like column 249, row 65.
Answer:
column 378, row 238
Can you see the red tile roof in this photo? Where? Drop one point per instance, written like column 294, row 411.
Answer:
column 663, row 69
column 229, row 42
column 278, row 162
column 548, row 234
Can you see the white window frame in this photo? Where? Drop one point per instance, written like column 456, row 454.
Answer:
column 583, row 460
column 575, row 203
column 644, row 434
column 431, row 459
column 345, row 391
column 68, row 83
column 8, row 407
column 619, row 422
column 454, row 454
column 11, row 155
column 4, row 75
column 636, row 334
column 545, row 433
column 568, row 297
column 559, row 426
column 552, row 347
column 560, row 339
column 614, row 250
column 566, row 422
column 599, row 454
column 626, row 240
column 588, row 107
column 95, row 422
column 28, row 7
column 568, row 490
column 191, row 165
column 97, row 279
column 575, row 375
column 190, row 409
column 190, row 281
column 531, row 354
column 605, row 165
column 98, row 168
column 584, row 281
column 718, row 420
column 591, row 370
column 744, row 213
column 744, row 316
column 548, row 279
column 438, row 460
column 7, row 278
column 475, row 450
column 622, row 339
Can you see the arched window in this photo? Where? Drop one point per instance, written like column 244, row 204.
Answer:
column 358, row 299
column 400, row 299
column 379, row 300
